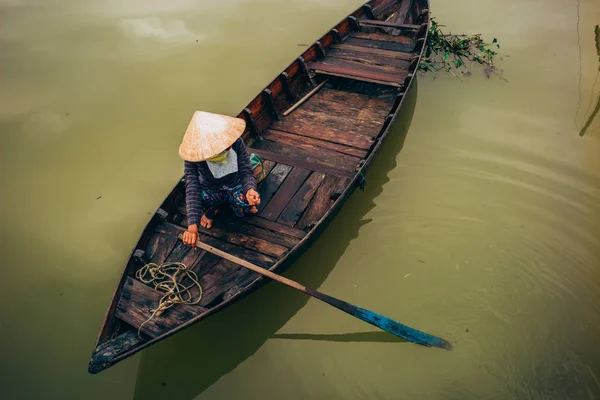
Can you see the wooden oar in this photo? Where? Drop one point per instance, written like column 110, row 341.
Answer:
column 378, row 320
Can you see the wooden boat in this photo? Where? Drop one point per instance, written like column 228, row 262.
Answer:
column 355, row 78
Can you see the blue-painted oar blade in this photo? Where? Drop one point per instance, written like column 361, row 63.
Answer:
column 399, row 329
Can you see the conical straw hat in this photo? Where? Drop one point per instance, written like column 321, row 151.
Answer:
column 208, row 135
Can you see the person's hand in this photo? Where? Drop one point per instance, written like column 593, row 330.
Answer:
column 191, row 235
column 253, row 197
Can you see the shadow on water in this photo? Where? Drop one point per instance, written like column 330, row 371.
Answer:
column 186, row 364
column 373, row 337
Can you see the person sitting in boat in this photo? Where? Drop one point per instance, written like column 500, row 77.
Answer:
column 217, row 169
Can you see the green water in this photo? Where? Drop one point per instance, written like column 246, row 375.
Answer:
column 480, row 222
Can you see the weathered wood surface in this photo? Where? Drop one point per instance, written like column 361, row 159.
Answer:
column 272, row 183
column 361, row 71
column 325, row 157
column 107, row 351
column 234, row 231
column 322, row 201
column 380, row 44
column 280, row 236
column 303, row 163
column 229, row 277
column 306, row 97
column 276, row 228
column 368, row 59
column 319, row 130
column 401, row 14
column 285, row 193
column 386, row 24
column 308, row 143
column 295, row 208
column 349, row 106
column 246, row 241
column 382, row 37
column 367, row 129
column 137, row 301
column 385, row 8
column 159, row 246
column 374, row 51
column 250, row 255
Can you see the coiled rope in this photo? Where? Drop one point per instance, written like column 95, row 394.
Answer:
column 166, row 278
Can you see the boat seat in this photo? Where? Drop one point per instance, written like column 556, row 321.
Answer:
column 375, row 23
column 368, row 57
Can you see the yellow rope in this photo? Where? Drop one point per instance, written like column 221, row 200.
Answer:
column 165, row 278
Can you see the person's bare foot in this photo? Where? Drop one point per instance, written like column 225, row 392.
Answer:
column 253, row 210
column 205, row 222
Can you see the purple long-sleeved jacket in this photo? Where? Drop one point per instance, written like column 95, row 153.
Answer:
column 198, row 175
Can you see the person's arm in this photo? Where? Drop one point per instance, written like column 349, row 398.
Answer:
column 244, row 166
column 193, row 197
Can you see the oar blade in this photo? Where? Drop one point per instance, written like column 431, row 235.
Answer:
column 401, row 330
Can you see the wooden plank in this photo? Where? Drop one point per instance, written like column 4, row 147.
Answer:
column 342, row 97
column 294, row 210
column 235, row 279
column 286, row 191
column 324, row 157
column 382, row 37
column 159, row 246
column 380, row 44
column 368, row 129
column 401, row 15
column 385, row 9
column 254, row 226
column 272, row 183
column 347, row 105
column 321, row 131
column 387, row 24
column 371, row 113
column 138, row 299
column 365, row 58
column 361, row 66
column 258, row 227
column 332, row 115
column 358, row 71
column 315, row 166
column 273, row 226
column 179, row 252
column 238, row 251
column 107, row 351
column 322, row 201
column 203, row 264
column 246, row 241
column 308, row 143
column 283, row 238
column 268, row 166
column 250, row 255
column 407, row 56
column 192, row 258
column 215, row 281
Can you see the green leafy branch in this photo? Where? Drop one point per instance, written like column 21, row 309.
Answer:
column 449, row 52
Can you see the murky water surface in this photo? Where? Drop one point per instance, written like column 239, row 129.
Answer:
column 483, row 229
